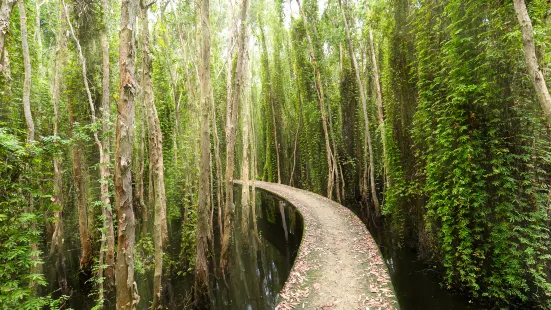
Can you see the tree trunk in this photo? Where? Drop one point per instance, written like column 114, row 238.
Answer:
column 266, row 65
column 231, row 119
column 155, row 160
column 81, row 199
column 219, row 177
column 368, row 148
column 57, row 236
column 380, row 112
column 321, row 98
column 140, row 158
column 253, row 176
column 6, row 7
column 108, row 234
column 27, row 69
column 538, row 79
column 104, row 166
column 35, row 268
column 202, row 300
column 127, row 295
column 245, row 190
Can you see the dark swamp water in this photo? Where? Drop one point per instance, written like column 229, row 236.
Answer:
column 255, row 277
column 417, row 285
column 257, row 273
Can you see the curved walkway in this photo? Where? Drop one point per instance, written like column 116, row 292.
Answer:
column 338, row 266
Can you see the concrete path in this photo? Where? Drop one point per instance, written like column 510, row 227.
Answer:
column 338, row 265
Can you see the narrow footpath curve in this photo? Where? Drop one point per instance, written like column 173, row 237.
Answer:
column 339, row 265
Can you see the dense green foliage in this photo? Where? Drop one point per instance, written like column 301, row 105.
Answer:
column 466, row 176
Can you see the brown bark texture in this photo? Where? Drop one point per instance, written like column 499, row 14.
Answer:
column 61, row 49
column 201, row 293
column 6, row 7
column 156, row 165
column 126, row 289
column 108, row 234
column 231, row 119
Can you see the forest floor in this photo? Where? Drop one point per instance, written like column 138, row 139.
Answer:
column 339, row 265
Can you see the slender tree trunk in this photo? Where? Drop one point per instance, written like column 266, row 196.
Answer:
column 155, row 160
column 538, row 79
column 108, row 234
column 27, row 69
column 299, row 125
column 276, row 141
column 61, row 49
column 140, row 158
column 380, row 112
column 368, row 148
column 202, row 300
column 231, row 119
column 81, row 199
column 6, row 7
column 57, row 235
column 36, row 268
column 127, row 295
column 104, row 188
column 321, row 98
column 266, row 65
column 219, row 177
column 253, row 176
column 245, row 190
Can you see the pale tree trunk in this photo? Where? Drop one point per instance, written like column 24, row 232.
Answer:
column 108, row 233
column 219, row 176
column 380, row 113
column 61, row 49
column 202, row 300
column 104, row 188
column 81, row 198
column 27, row 69
column 299, row 125
column 335, row 158
column 368, row 148
column 266, row 65
column 140, row 162
column 35, row 268
column 231, row 119
column 127, row 295
column 245, row 190
column 538, row 79
column 321, row 98
column 6, row 7
column 253, row 174
column 155, row 160
column 276, row 141
column 58, row 199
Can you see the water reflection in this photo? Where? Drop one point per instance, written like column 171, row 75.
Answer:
column 259, row 265
column 417, row 285
column 258, row 271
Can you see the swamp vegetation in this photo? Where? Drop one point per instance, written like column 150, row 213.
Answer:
column 123, row 125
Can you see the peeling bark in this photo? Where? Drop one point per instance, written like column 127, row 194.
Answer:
column 127, row 295
column 107, row 247
column 201, row 294
column 156, row 165
column 61, row 49
column 6, row 7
